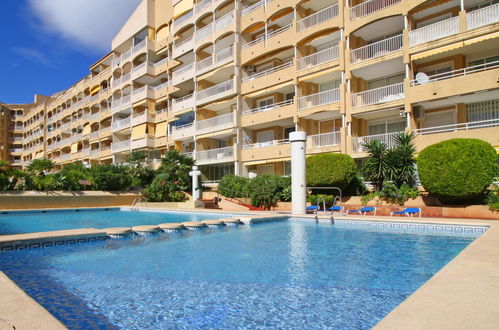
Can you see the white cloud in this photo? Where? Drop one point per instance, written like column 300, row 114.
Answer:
column 32, row 54
column 89, row 23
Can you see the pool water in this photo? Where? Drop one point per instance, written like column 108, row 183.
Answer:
column 30, row 222
column 287, row 274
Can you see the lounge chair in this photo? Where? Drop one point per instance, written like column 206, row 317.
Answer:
column 314, row 208
column 337, row 208
column 364, row 210
column 408, row 211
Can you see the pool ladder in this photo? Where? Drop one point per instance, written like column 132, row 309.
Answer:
column 135, row 204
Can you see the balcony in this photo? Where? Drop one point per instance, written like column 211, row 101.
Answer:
column 319, row 99
column 215, row 92
column 215, row 155
column 267, row 72
column 218, row 59
column 224, row 21
column 378, row 95
column 387, row 138
column 65, row 157
column 317, row 18
column 183, row 73
column 122, row 80
column 121, row 103
column 183, row 103
column 15, row 150
column 434, row 31
column 142, row 118
column 202, row 7
column 323, row 140
column 183, row 20
column 482, row 17
column 265, row 144
column 457, row 73
column 121, row 124
column 93, row 135
column 268, row 107
column 120, row 146
column 118, row 60
column 105, row 151
column 182, row 132
column 146, row 142
column 269, row 35
column 204, row 32
column 215, row 124
column 183, row 46
column 458, row 127
column 370, row 7
column 94, row 153
column 376, row 49
column 141, row 70
column 141, row 46
column 318, row 58
column 144, row 92
column 252, row 8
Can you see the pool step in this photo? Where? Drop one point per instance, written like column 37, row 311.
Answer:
column 145, row 230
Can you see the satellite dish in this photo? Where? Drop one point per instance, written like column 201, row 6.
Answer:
column 421, row 78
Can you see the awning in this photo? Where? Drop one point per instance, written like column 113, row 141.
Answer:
column 74, row 148
column 216, row 133
column 437, row 50
column 86, row 129
column 182, row 7
column 95, row 90
column 320, row 73
column 270, row 89
column 151, row 128
column 161, row 129
column 482, row 38
column 138, row 132
column 267, row 161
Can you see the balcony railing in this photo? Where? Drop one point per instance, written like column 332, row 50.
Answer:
column 482, row 16
column 121, row 124
column 458, row 127
column 182, row 103
column 204, row 32
column 253, row 42
column 65, row 157
column 224, row 21
column 201, row 6
column 267, row 72
column 146, row 141
column 120, row 146
column 183, row 42
column 94, row 135
column 216, row 91
column 183, row 131
column 387, row 138
column 138, row 47
column 226, row 153
column 369, row 7
column 279, row 30
column 214, row 60
column 182, row 19
column 186, row 68
column 265, row 144
column 318, row 58
column 323, row 140
column 434, row 31
column 318, row 99
column 268, row 107
column 94, row 153
column 457, row 73
column 252, row 8
column 215, row 123
column 376, row 49
column 317, row 18
column 378, row 95
column 142, row 118
column 120, row 103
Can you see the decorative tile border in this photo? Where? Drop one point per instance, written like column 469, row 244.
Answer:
column 44, row 244
column 407, row 226
column 21, row 212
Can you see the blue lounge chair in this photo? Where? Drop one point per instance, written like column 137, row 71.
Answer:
column 337, row 208
column 364, row 210
column 314, row 208
column 408, row 211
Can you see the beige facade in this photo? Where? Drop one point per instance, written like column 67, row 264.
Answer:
column 227, row 81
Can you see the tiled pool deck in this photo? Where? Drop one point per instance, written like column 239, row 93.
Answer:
column 462, row 295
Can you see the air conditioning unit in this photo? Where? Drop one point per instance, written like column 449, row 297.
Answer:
column 250, row 68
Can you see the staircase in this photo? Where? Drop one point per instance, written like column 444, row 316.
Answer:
column 248, row 206
column 211, row 204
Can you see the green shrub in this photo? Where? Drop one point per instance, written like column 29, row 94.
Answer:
column 110, row 177
column 457, row 171
column 266, row 190
column 71, row 174
column 163, row 189
column 364, row 199
column 326, row 170
column 233, row 186
column 47, row 182
column 328, row 199
column 284, row 183
column 494, row 207
column 393, row 194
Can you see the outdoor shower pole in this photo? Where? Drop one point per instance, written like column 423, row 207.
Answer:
column 195, row 173
column 298, row 141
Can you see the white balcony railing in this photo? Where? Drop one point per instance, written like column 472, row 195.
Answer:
column 121, row 124
column 224, row 21
column 434, row 31
column 216, row 91
column 317, row 18
column 186, row 71
column 120, row 146
column 141, row 118
column 138, row 47
column 204, row 32
column 482, row 16
column 457, row 73
column 378, row 95
column 458, row 127
column 218, row 58
column 318, row 99
column 201, row 6
column 376, row 49
column 253, row 42
column 123, row 102
column 220, row 154
column 279, row 30
column 182, row 43
column 178, row 22
column 94, row 135
column 268, row 107
column 387, row 138
column 265, row 144
column 252, row 8
column 65, row 157
column 147, row 141
column 318, row 58
column 182, row 103
column 369, row 7
column 323, row 140
column 215, row 123
column 267, row 72
column 94, row 153
column 182, row 132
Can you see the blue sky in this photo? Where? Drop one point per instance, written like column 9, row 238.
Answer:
column 48, row 45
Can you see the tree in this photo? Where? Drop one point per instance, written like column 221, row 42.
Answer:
column 40, row 166
column 140, row 169
column 176, row 167
column 71, row 174
column 110, row 177
column 375, row 167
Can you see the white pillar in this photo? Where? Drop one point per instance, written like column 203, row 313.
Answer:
column 298, row 175
column 195, row 173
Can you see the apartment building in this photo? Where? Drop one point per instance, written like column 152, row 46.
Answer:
column 226, row 81
column 11, row 133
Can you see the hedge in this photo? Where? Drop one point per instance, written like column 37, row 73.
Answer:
column 330, row 170
column 457, row 171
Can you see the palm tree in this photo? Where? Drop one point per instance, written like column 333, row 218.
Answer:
column 4, row 166
column 405, row 162
column 41, row 166
column 375, row 167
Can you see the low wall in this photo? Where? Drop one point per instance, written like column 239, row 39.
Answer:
column 17, row 200
column 169, row 205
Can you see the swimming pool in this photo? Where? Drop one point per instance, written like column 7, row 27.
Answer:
column 288, row 274
column 19, row 222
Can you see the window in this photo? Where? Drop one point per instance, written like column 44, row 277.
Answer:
column 434, row 20
column 386, row 81
column 482, row 5
column 439, row 73
column 386, row 127
column 265, row 103
column 485, row 61
column 290, row 96
column 287, row 168
column 288, row 130
column 485, row 110
column 265, row 137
